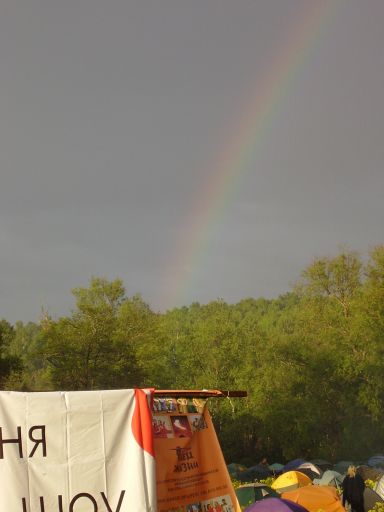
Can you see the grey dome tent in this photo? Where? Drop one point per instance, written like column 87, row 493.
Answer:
column 379, row 487
column 330, row 477
column 371, row 498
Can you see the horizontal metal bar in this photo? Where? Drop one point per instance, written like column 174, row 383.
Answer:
column 202, row 393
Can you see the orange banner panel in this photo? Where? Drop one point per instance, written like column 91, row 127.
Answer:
column 190, row 469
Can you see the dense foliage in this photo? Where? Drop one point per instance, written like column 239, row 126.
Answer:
column 311, row 360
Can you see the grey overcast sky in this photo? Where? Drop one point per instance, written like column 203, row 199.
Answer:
column 114, row 113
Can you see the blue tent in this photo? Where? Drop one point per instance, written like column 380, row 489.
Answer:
column 293, row 464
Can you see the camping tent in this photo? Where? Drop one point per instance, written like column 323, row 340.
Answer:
column 234, row 469
column 376, row 461
column 310, row 470
column 275, row 505
column 329, row 477
column 249, row 493
column 370, row 498
column 379, row 487
column 322, row 463
column 257, row 472
column 290, row 480
column 293, row 464
column 276, row 467
column 342, row 466
column 370, row 473
column 315, row 498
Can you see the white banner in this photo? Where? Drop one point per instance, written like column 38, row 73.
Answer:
column 87, row 451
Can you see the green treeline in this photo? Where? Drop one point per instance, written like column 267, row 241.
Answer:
column 311, row 360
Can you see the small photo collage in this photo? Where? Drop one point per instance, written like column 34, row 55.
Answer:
column 177, row 417
column 219, row 504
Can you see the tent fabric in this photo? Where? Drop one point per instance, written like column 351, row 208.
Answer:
column 249, row 493
column 371, row 498
column 306, row 471
column 322, row 463
column 311, row 466
column 370, row 473
column 315, row 498
column 343, row 465
column 234, row 469
column 290, row 480
column 379, row 487
column 376, row 461
column 310, row 470
column 276, row 467
column 257, row 472
column 293, row 464
column 331, row 478
column 275, row 505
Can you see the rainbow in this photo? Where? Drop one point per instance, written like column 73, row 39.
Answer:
column 233, row 162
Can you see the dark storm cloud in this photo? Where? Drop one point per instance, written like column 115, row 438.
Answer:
column 112, row 112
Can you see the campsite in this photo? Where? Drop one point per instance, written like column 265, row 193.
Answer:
column 191, row 256
column 322, row 490
column 312, row 387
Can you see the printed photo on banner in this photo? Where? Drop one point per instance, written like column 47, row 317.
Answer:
column 181, row 426
column 162, row 426
column 194, row 507
column 197, row 422
column 191, row 405
column 219, row 504
column 199, row 404
column 165, row 405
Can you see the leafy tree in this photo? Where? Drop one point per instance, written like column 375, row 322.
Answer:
column 8, row 363
column 335, row 278
column 26, row 345
column 139, row 328
column 89, row 350
column 311, row 360
column 367, row 339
